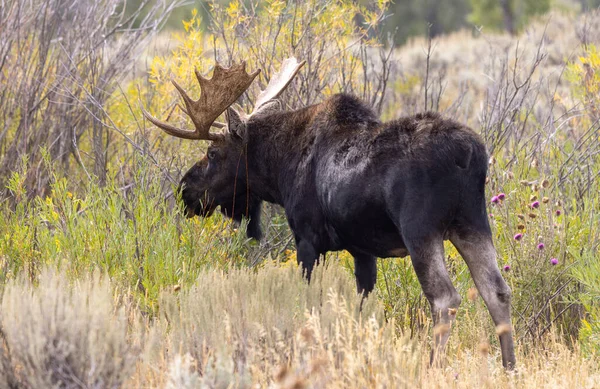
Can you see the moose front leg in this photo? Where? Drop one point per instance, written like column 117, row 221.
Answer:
column 365, row 271
column 307, row 257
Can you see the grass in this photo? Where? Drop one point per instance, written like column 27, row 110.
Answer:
column 245, row 328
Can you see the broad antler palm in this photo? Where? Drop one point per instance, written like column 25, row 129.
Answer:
column 279, row 81
column 218, row 93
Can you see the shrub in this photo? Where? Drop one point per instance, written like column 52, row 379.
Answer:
column 134, row 236
column 62, row 335
column 60, row 61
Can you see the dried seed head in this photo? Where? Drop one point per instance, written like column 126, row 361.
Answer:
column 177, row 288
column 532, row 198
column 281, row 373
column 545, row 184
column 545, row 200
column 484, row 348
column 525, row 182
column 521, row 216
column 532, row 215
column 535, row 187
column 441, row 329
column 502, row 329
column 317, row 364
column 520, row 227
column 307, row 335
column 510, row 175
column 472, row 294
column 298, row 383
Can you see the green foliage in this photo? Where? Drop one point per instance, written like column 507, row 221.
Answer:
column 412, row 18
column 584, row 76
column 493, row 14
column 587, row 272
column 135, row 236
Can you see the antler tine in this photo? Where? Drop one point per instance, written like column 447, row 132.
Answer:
column 279, row 81
column 215, row 124
column 216, row 95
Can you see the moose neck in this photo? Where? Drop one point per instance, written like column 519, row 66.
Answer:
column 276, row 144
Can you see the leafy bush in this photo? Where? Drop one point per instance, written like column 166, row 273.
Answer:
column 340, row 57
column 584, row 76
column 60, row 62
column 133, row 235
column 587, row 272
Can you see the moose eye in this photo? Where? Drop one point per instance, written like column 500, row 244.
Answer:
column 211, row 154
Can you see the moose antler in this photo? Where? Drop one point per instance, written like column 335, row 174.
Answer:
column 216, row 95
column 278, row 82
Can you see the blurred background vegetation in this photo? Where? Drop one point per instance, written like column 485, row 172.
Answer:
column 409, row 18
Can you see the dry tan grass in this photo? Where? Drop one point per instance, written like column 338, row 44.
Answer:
column 250, row 328
column 71, row 335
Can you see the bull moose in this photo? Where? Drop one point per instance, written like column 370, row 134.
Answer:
column 347, row 181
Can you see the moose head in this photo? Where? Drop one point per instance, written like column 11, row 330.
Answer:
column 220, row 178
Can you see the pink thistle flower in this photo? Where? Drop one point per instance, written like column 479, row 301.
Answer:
column 558, row 212
column 495, row 200
column 518, row 236
column 554, row 261
column 541, row 246
column 535, row 204
column 501, row 196
column 506, row 268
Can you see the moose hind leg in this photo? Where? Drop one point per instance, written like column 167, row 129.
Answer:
column 427, row 256
column 478, row 252
column 365, row 271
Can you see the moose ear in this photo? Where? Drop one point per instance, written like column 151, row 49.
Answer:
column 235, row 123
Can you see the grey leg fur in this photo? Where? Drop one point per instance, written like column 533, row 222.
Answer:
column 427, row 256
column 480, row 255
